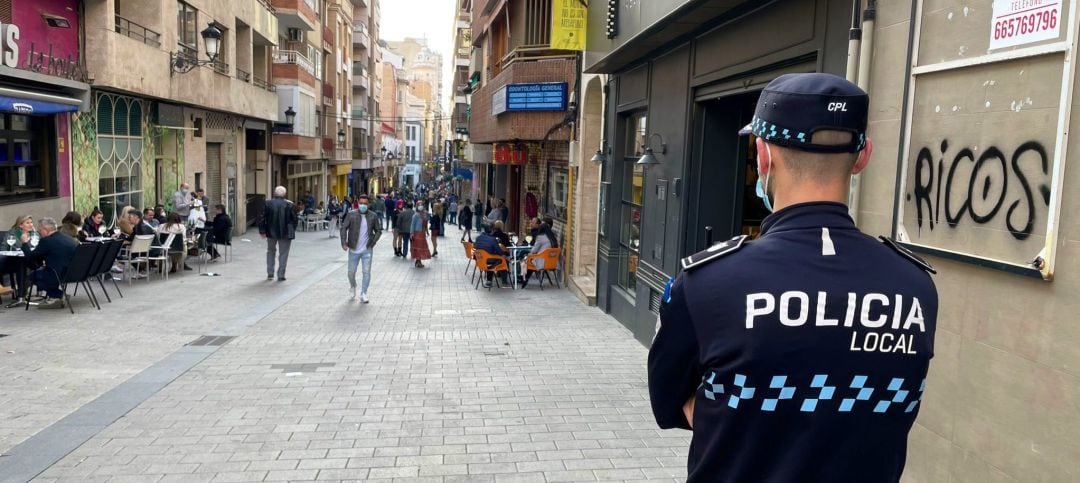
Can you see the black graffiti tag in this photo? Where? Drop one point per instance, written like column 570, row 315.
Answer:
column 985, row 190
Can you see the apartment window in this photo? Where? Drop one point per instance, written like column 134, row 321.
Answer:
column 27, row 170
column 221, row 63
column 187, row 29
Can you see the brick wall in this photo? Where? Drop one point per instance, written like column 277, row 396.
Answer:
column 527, row 126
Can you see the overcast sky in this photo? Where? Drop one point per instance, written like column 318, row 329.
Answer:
column 431, row 19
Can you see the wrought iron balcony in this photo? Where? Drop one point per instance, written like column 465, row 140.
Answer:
column 138, row 32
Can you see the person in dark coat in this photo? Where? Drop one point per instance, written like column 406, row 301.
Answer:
column 465, row 221
column 278, row 228
column 56, row 250
column 221, row 228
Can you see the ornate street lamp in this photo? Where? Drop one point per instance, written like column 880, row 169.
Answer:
column 341, row 137
column 182, row 63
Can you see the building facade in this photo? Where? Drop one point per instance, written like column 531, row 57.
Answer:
column 969, row 115
column 522, row 121
column 207, row 125
column 366, row 96
column 43, row 85
column 459, row 92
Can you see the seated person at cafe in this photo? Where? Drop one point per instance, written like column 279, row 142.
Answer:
column 220, row 228
column 159, row 214
column 175, row 225
column 498, row 231
column 488, row 243
column 56, row 250
column 149, row 217
column 71, row 225
column 124, row 223
column 23, row 226
column 133, row 218
column 534, row 228
column 543, row 240
column 94, row 223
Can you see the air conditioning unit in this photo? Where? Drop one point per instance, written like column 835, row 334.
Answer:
column 294, row 35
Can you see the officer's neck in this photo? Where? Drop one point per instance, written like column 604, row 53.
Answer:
column 810, row 192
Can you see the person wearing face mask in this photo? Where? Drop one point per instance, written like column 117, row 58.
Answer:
column 418, row 234
column 359, row 233
column 181, row 201
column 814, row 335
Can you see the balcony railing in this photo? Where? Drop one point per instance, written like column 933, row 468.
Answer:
column 243, row 75
column 260, row 82
column 358, row 153
column 220, row 67
column 531, row 53
column 294, row 58
column 342, row 153
column 137, row 32
column 266, row 5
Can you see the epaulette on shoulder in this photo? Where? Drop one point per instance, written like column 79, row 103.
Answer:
column 712, row 253
column 904, row 252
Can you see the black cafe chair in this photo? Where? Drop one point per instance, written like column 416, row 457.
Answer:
column 78, row 272
column 103, row 263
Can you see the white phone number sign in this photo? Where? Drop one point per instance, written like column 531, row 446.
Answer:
column 1019, row 22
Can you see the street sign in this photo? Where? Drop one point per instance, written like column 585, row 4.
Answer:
column 547, row 96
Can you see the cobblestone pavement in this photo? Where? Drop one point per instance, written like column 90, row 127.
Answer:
column 431, row 381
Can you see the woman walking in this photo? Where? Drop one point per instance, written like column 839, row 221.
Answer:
column 437, row 227
column 465, row 220
column 419, row 247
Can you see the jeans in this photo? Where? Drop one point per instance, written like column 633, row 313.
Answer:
column 405, row 236
column 389, row 219
column 354, row 260
column 282, row 247
column 46, row 280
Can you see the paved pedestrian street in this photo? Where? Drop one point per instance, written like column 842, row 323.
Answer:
column 431, row 381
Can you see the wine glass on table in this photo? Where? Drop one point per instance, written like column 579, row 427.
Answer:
column 10, row 241
column 101, row 231
column 514, row 240
column 35, row 238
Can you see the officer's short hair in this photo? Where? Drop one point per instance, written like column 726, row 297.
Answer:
column 806, row 165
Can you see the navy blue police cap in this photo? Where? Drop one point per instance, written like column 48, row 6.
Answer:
column 795, row 106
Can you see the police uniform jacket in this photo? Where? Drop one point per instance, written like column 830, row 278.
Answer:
column 805, row 351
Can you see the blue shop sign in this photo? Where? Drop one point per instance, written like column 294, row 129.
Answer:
column 546, row 96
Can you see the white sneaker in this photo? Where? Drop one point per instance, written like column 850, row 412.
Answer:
column 363, row 298
column 352, row 292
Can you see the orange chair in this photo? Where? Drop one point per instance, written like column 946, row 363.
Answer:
column 500, row 265
column 549, row 260
column 468, row 254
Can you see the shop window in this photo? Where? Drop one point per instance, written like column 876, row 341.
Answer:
column 557, row 193
column 27, row 169
column 632, row 194
column 187, row 29
column 120, row 154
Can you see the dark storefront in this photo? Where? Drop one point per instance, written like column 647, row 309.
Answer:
column 686, row 101
column 41, row 84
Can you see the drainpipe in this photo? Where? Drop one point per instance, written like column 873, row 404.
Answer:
column 854, row 38
column 862, row 78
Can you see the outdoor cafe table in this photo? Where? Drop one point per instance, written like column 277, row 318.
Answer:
column 515, row 264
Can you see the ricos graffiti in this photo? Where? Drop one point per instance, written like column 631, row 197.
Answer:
column 991, row 188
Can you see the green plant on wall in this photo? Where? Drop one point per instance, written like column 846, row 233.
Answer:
column 84, row 157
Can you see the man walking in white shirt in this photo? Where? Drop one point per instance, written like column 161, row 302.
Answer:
column 359, row 233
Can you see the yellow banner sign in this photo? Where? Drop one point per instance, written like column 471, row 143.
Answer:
column 568, row 24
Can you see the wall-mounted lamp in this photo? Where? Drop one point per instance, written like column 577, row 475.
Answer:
column 649, row 159
column 601, row 154
column 180, row 62
column 341, row 136
column 290, row 117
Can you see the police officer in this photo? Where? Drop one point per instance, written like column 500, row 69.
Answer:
column 800, row 356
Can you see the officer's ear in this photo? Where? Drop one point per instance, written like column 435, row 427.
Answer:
column 864, row 157
column 763, row 157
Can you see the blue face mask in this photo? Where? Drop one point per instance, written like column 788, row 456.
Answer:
column 764, row 197
column 760, row 188
column 363, row 208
